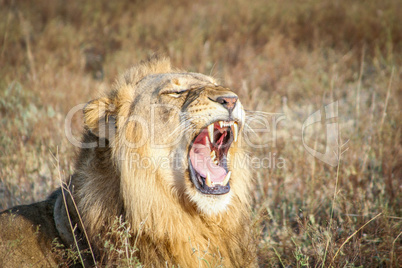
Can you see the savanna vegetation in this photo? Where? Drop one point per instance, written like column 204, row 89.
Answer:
column 285, row 59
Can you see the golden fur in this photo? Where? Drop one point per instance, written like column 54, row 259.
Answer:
column 134, row 132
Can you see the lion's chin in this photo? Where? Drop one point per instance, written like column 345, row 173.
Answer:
column 211, row 204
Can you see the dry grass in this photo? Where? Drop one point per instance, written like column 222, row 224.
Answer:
column 288, row 57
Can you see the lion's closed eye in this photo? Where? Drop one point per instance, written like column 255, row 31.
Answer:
column 176, row 94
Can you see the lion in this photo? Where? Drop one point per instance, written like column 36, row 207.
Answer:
column 160, row 152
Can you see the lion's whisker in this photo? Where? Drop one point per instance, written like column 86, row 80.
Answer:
column 262, row 113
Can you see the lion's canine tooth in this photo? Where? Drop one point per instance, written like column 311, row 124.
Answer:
column 213, row 155
column 208, row 180
column 226, row 180
column 235, row 129
column 221, row 124
column 211, row 132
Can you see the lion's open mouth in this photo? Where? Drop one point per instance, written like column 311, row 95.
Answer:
column 208, row 157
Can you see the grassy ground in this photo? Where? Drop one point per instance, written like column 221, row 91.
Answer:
column 287, row 57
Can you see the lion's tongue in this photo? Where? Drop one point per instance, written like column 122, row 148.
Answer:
column 201, row 159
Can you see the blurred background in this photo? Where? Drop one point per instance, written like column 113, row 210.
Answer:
column 285, row 59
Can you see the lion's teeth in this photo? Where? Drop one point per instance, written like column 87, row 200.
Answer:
column 211, row 132
column 226, row 180
column 235, row 130
column 226, row 123
column 208, row 180
column 213, row 155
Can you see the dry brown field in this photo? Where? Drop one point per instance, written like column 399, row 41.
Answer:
column 285, row 59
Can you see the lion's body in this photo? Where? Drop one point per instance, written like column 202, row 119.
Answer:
column 26, row 234
column 124, row 175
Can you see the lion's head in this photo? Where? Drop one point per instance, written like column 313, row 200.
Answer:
column 165, row 144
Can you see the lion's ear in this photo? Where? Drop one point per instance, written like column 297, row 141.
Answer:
column 100, row 117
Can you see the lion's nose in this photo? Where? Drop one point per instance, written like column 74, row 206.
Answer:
column 229, row 102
